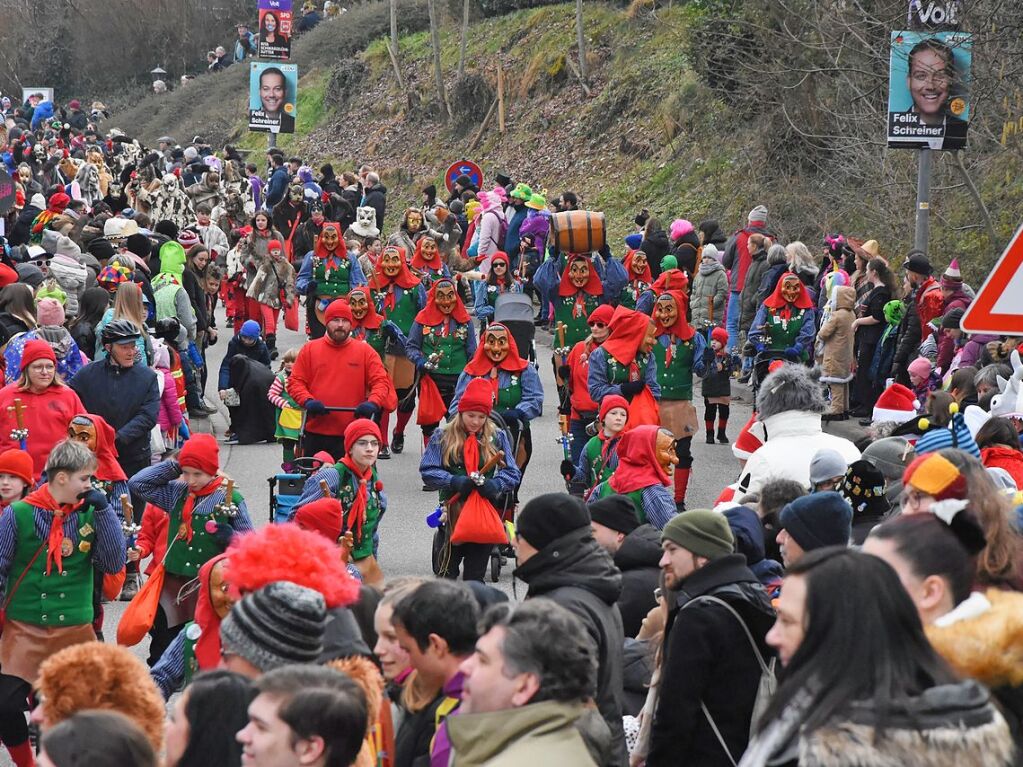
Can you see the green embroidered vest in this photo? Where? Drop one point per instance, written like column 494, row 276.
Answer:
column 576, row 328
column 675, row 379
column 338, row 283
column 631, row 293
column 348, row 486
column 59, row 599
column 617, row 373
column 599, row 471
column 184, row 558
column 452, row 347
column 782, row 333
column 458, row 469
column 405, row 308
column 510, row 396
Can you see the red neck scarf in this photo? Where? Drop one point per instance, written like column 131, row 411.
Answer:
column 108, row 470
column 43, row 499
column 638, row 466
column 189, row 506
column 372, row 320
column 592, row 287
column 681, row 329
column 207, row 648
column 471, row 454
column 776, row 301
column 482, row 365
column 432, row 315
column 357, row 514
column 628, row 328
column 647, row 276
column 419, row 260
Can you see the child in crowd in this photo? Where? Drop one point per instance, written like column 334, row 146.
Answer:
column 16, row 470
column 717, row 385
column 923, row 379
column 169, row 417
column 289, row 414
column 600, row 455
column 835, row 342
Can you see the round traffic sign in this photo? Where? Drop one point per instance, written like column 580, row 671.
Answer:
column 463, row 168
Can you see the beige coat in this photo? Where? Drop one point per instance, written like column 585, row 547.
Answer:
column 836, row 335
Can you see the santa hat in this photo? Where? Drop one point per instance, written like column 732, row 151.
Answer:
column 747, row 443
column 201, row 452
column 478, row 397
column 952, row 278
column 896, row 403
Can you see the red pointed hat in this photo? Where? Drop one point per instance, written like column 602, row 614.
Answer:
column 320, row 250
column 432, row 315
column 682, row 329
column 108, row 469
column 592, row 286
column 638, row 466
column 628, row 329
column 481, row 364
column 404, row 279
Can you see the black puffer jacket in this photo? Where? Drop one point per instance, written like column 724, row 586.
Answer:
column 637, row 559
column 579, row 575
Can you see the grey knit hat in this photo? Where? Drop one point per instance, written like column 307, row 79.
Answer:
column 281, row 623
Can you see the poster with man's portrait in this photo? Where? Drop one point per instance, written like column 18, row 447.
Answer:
column 274, row 38
column 929, row 89
column 273, row 93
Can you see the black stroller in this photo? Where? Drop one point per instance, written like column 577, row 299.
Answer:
column 515, row 310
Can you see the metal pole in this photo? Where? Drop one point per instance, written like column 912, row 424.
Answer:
column 271, row 140
column 923, row 200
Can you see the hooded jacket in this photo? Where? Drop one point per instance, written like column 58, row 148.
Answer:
column 836, row 336
column 710, row 289
column 749, row 298
column 637, row 559
column 580, row 576
column 708, row 659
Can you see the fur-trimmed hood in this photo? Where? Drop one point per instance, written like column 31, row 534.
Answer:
column 791, row 387
column 364, row 673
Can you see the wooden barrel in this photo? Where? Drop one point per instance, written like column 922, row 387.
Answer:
column 579, row 231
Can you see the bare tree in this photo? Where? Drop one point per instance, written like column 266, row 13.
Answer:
column 464, row 38
column 580, row 37
column 393, row 45
column 438, row 74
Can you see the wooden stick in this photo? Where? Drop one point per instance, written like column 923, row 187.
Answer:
column 500, row 95
column 483, row 126
column 561, row 335
column 229, row 492
column 494, row 459
column 19, row 410
column 325, row 488
column 126, row 508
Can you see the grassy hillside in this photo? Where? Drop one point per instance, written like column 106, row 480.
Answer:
column 649, row 134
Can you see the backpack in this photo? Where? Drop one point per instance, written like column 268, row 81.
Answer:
column 768, row 680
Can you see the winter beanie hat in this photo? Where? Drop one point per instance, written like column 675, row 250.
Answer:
column 50, row 312
column 956, row 434
column 602, row 314
column 201, row 452
column 720, row 335
column 323, row 516
column 35, row 350
column 17, row 463
column 937, row 476
column 616, row 512
column 827, row 464
column 478, row 397
column 634, row 240
column 547, row 517
column 609, row 403
column 250, row 329
column 338, row 309
column 757, row 215
column 818, row 520
column 952, row 278
column 669, row 262
column 952, row 319
column 897, row 403
column 188, row 238
column 864, row 488
column 279, row 624
column 918, row 263
column 703, row 532
column 360, row 427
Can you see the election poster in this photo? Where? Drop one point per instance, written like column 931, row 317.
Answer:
column 929, row 89
column 273, row 92
column 274, row 41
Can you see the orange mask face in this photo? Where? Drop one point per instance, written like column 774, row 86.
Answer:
column 413, row 221
column 446, row 298
column 390, row 262
column 639, row 263
column 790, row 289
column 649, row 339
column 360, row 306
column 429, row 248
column 82, row 429
column 496, row 345
column 219, row 587
column 579, row 273
column 666, row 311
column 329, row 238
column 666, row 455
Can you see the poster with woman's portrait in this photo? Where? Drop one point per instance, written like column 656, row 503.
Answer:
column 273, row 93
column 929, row 89
column 274, row 38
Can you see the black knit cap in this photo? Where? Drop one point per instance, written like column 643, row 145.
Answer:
column 282, row 623
column 616, row 512
column 138, row 244
column 548, row 517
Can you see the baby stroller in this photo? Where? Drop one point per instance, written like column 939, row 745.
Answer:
column 516, row 311
column 286, row 488
column 506, row 508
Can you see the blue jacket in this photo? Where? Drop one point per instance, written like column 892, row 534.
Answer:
column 511, row 239
column 129, row 400
column 277, row 187
column 531, row 403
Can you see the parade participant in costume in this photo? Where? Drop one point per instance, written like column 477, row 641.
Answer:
column 49, row 544
column 670, row 278
column 464, row 447
column 354, row 482
column 46, row 405
column 640, row 278
column 328, row 272
column 289, row 414
column 646, row 460
column 679, row 352
column 273, row 289
column 577, row 292
column 499, row 280
column 364, row 387
column 518, row 393
column 16, row 477
column 785, row 320
column 399, row 296
column 409, row 232
column 197, row 646
column 600, row 455
column 579, row 407
column 368, row 324
column 426, row 261
column 625, row 364
column 441, row 343
column 201, row 523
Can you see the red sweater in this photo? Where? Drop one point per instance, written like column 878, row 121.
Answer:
column 46, row 417
column 1004, row 457
column 580, row 383
column 343, row 375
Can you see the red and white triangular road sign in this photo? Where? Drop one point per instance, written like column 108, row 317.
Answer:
column 998, row 307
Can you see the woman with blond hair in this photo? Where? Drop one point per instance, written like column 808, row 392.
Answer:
column 128, row 305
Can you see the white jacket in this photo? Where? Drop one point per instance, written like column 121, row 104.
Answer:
column 792, row 439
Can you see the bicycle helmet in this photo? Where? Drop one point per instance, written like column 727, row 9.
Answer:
column 120, row 330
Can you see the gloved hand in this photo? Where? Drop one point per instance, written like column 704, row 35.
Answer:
column 311, row 287
column 793, row 352
column 313, row 407
column 463, row 486
column 513, row 417
column 567, row 468
column 367, row 410
column 760, row 348
column 221, row 531
column 420, row 365
column 93, row 499
column 564, row 372
column 390, row 330
column 632, row 388
column 491, row 490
